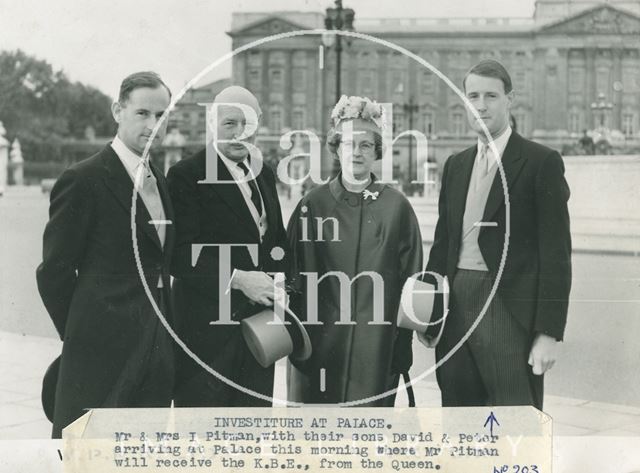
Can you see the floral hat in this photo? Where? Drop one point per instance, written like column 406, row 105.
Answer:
column 350, row 108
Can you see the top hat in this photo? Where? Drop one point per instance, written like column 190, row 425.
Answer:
column 269, row 338
column 419, row 303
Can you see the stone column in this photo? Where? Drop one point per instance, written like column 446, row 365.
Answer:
column 4, row 159
column 616, row 113
column 538, row 81
column 265, row 103
column 16, row 163
column 382, row 63
column 552, row 88
column 591, row 92
column 287, row 84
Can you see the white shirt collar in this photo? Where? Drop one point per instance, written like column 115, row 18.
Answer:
column 233, row 167
column 500, row 142
column 129, row 159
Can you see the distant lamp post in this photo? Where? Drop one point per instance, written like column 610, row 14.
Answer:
column 409, row 109
column 337, row 19
column 600, row 109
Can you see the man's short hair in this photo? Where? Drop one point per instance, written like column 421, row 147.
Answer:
column 490, row 68
column 138, row 80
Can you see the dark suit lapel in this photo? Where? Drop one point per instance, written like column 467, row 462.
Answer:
column 267, row 199
column 117, row 179
column 461, row 175
column 231, row 194
column 168, row 210
column 512, row 161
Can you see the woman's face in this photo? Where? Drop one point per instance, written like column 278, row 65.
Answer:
column 357, row 151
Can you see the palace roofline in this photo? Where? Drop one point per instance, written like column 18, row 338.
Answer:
column 243, row 22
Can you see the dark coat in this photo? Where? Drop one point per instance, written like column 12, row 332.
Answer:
column 357, row 235
column 216, row 213
column 116, row 352
column 536, row 277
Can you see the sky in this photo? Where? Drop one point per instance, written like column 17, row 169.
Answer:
column 99, row 42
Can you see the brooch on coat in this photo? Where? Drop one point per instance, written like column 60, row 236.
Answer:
column 367, row 193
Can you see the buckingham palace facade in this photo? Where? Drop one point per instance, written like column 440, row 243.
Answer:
column 562, row 60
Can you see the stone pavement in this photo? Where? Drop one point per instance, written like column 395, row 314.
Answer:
column 588, row 436
column 581, row 427
column 23, row 362
column 24, row 359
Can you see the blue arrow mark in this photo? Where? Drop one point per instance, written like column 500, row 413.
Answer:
column 491, row 420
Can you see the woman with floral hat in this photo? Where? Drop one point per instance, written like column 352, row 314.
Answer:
column 356, row 227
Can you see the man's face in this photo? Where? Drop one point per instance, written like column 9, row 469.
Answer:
column 233, row 124
column 488, row 97
column 138, row 116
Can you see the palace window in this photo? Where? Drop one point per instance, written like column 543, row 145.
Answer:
column 427, row 82
column 602, row 80
column 627, row 125
column 398, row 121
column 576, row 79
column 366, row 81
column 630, row 80
column 398, row 59
column 254, row 79
column 428, row 122
column 297, row 119
column 521, row 122
column 276, row 78
column 520, row 80
column 255, row 58
column 457, row 123
column 275, row 119
column 396, row 83
column 299, row 59
column 574, row 122
column 299, row 78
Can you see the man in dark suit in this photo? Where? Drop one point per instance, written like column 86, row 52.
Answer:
column 503, row 360
column 221, row 199
column 116, row 352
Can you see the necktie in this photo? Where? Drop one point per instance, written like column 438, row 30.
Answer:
column 482, row 165
column 255, row 193
column 153, row 201
column 483, row 162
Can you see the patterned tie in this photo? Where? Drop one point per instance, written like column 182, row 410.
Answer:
column 153, row 201
column 483, row 163
column 255, row 193
column 482, row 166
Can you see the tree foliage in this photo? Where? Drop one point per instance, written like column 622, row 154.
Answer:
column 44, row 109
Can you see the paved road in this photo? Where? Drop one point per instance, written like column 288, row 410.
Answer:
column 600, row 357
column 23, row 214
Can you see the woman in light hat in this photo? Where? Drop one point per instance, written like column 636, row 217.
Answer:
column 353, row 224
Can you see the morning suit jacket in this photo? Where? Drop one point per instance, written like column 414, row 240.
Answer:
column 216, row 213
column 536, row 276
column 116, row 352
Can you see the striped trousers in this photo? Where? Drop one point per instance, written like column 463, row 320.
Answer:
column 491, row 367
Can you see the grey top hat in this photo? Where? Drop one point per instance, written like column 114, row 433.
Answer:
column 274, row 333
